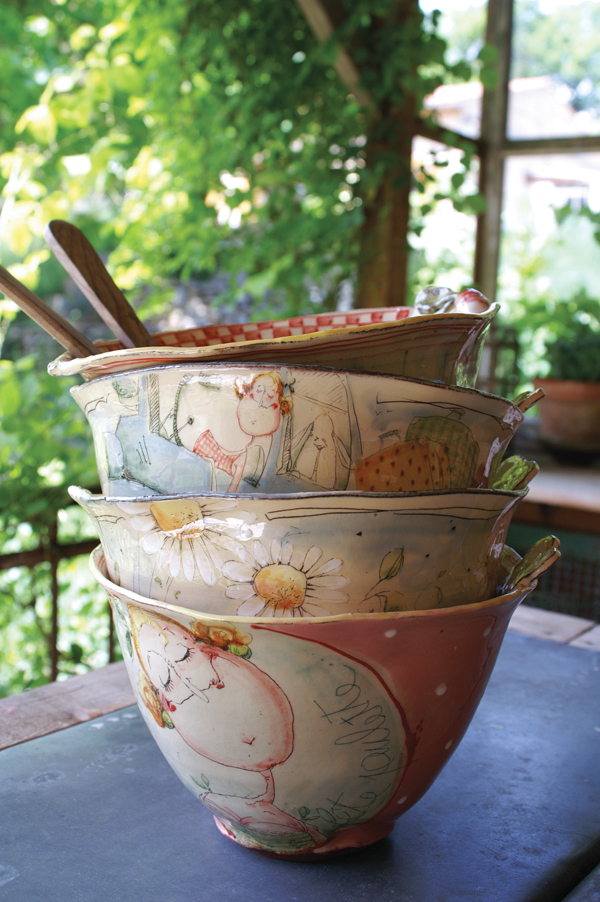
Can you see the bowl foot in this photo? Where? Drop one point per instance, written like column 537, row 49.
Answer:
column 301, row 847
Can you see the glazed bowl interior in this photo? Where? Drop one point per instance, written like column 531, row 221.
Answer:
column 274, row 428
column 306, row 555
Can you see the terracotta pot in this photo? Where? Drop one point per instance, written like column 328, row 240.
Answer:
column 570, row 414
column 310, row 737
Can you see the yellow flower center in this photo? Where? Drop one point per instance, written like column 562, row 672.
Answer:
column 281, row 586
column 176, row 518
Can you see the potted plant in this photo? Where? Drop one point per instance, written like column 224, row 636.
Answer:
column 570, row 412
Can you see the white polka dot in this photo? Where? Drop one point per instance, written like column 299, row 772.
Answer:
column 449, row 744
column 487, row 631
column 439, row 690
column 402, row 800
column 390, row 633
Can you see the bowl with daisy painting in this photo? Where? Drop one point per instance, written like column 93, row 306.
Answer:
column 305, row 555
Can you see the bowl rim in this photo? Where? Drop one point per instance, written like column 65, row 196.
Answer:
column 303, row 367
column 67, row 365
column 514, row 596
column 76, row 492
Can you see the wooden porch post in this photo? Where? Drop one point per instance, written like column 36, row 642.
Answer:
column 494, row 113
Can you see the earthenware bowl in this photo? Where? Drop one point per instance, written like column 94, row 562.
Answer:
column 306, row 738
column 235, row 428
column 441, row 346
column 305, row 555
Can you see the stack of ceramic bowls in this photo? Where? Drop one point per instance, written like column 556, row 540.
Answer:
column 304, row 560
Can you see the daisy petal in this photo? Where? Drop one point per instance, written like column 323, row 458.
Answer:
column 312, row 556
column 329, row 567
column 238, row 571
column 325, row 594
column 251, row 608
column 142, row 523
column 260, row 554
column 334, row 582
column 296, row 560
column 187, row 560
column 163, row 557
column 207, row 571
column 217, row 507
column 287, row 550
column 152, row 542
column 276, row 551
column 242, row 591
column 175, row 560
column 131, row 507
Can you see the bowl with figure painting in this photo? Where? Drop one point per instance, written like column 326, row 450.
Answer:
column 308, row 738
column 306, row 555
column 438, row 340
column 274, row 428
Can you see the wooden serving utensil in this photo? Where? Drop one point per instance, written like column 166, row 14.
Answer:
column 70, row 246
column 40, row 312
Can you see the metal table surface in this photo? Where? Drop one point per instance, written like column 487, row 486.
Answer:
column 94, row 813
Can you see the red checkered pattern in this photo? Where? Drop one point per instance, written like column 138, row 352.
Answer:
column 206, row 446
column 283, row 328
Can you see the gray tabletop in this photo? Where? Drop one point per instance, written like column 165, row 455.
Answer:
column 94, row 813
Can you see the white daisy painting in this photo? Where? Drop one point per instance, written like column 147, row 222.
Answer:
column 185, row 536
column 277, row 581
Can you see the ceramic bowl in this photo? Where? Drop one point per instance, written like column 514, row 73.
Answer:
column 306, row 738
column 441, row 346
column 234, row 428
column 305, row 555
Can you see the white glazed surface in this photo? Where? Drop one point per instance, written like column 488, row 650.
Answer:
column 305, row 555
column 235, row 428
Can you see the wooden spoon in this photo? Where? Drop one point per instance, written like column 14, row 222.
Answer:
column 70, row 246
column 52, row 322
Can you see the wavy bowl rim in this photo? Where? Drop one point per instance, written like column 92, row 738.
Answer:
column 57, row 366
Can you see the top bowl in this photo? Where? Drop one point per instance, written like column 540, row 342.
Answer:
column 235, row 428
column 444, row 347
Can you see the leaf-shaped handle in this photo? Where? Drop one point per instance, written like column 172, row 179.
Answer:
column 528, row 398
column 539, row 558
column 513, row 474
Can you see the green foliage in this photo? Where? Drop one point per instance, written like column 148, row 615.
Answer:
column 567, row 336
column 191, row 136
column 576, row 357
column 564, row 43
column 44, row 445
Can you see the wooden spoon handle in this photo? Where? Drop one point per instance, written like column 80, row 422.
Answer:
column 41, row 312
column 74, row 251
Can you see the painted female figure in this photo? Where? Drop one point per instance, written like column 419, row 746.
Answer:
column 202, row 684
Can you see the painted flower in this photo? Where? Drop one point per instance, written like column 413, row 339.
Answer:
column 185, row 535
column 284, row 583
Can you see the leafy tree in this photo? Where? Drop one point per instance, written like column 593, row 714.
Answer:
column 563, row 43
column 190, row 135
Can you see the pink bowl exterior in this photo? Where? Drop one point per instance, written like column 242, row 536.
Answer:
column 379, row 702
